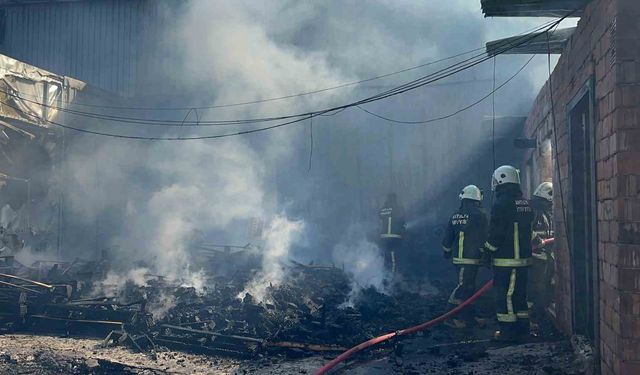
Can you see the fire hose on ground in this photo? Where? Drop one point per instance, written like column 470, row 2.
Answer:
column 380, row 339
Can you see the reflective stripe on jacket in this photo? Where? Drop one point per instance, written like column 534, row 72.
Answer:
column 510, row 228
column 391, row 222
column 466, row 233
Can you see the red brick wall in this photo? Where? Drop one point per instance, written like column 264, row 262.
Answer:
column 606, row 46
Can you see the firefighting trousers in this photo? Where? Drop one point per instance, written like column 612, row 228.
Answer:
column 466, row 288
column 391, row 246
column 511, row 297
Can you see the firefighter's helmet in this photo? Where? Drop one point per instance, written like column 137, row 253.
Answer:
column 544, row 191
column 471, row 192
column 505, row 175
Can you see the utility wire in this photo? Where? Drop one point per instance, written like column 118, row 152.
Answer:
column 440, row 74
column 310, row 142
column 175, row 138
column 290, row 96
column 304, row 116
column 493, row 116
column 493, row 123
column 457, row 111
column 310, row 116
column 171, row 138
column 555, row 138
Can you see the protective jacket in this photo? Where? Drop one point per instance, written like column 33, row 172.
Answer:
column 466, row 233
column 391, row 221
column 510, row 228
column 542, row 221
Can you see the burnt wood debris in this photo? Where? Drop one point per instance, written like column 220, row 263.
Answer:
column 311, row 314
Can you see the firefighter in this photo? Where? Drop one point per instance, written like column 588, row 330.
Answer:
column 542, row 205
column 463, row 239
column 509, row 247
column 543, row 256
column 392, row 227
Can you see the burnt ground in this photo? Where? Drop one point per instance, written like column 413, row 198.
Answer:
column 44, row 355
column 440, row 350
column 309, row 309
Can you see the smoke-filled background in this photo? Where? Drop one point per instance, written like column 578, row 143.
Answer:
column 314, row 189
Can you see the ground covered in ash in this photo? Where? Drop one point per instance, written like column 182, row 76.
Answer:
column 44, row 355
column 298, row 326
column 317, row 305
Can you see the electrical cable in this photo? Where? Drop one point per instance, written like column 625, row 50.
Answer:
column 301, row 117
column 443, row 73
column 493, row 124
column 493, row 116
column 446, row 73
column 250, row 131
column 279, row 125
column 457, row 111
column 353, row 83
column 195, row 110
column 290, row 96
column 555, row 137
column 310, row 142
column 171, row 138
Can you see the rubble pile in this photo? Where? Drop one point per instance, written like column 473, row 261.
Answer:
column 316, row 310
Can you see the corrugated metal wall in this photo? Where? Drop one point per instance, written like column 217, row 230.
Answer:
column 111, row 44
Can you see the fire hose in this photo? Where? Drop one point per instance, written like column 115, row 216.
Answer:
column 377, row 340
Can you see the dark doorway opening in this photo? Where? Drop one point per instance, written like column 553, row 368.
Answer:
column 582, row 218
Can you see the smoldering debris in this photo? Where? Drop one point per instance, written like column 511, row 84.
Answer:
column 304, row 315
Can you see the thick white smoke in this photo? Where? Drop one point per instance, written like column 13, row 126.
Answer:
column 239, row 51
column 206, row 186
column 279, row 236
column 363, row 261
column 174, row 190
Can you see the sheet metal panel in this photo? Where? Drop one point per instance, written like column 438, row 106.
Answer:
column 539, row 44
column 532, row 8
column 110, row 44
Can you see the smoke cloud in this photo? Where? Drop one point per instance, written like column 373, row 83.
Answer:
column 146, row 204
column 363, row 262
column 279, row 237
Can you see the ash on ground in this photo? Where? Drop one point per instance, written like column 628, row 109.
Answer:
column 56, row 323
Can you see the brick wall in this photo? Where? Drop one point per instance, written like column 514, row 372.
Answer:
column 606, row 46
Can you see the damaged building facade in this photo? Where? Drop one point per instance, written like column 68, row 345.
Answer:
column 30, row 152
column 112, row 50
column 586, row 126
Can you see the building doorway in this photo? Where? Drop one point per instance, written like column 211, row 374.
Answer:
column 582, row 219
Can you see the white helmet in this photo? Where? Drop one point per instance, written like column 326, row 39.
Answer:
column 505, row 175
column 545, row 191
column 471, row 192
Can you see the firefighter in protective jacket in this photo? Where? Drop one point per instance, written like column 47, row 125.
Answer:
column 542, row 205
column 509, row 245
column 392, row 227
column 463, row 240
column 544, row 265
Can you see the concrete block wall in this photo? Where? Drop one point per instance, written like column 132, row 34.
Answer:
column 606, row 46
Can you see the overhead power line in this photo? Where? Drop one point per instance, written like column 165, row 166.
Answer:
column 291, row 119
column 290, row 96
column 457, row 111
column 233, row 122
